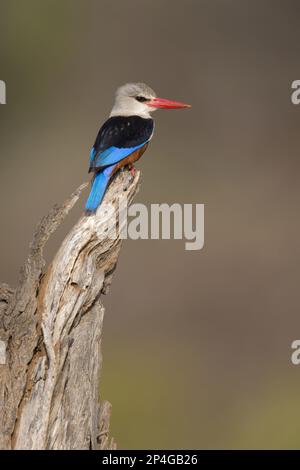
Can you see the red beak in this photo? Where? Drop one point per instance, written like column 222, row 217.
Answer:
column 166, row 104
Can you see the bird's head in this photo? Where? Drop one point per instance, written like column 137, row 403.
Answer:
column 140, row 100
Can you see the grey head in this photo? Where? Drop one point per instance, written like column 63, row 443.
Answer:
column 133, row 99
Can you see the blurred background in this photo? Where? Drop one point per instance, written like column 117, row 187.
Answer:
column 196, row 344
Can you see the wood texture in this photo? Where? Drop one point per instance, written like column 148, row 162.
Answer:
column 50, row 334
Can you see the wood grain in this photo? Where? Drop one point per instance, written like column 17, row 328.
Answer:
column 50, row 334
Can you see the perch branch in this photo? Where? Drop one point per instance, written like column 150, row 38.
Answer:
column 50, row 334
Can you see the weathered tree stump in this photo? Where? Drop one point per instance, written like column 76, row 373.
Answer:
column 50, row 335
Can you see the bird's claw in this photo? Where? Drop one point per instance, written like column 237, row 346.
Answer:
column 132, row 171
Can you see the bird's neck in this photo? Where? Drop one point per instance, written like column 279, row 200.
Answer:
column 125, row 113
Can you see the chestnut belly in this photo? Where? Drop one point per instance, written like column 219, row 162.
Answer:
column 133, row 157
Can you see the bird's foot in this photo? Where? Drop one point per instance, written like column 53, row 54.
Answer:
column 132, row 170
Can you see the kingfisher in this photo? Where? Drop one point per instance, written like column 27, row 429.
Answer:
column 124, row 136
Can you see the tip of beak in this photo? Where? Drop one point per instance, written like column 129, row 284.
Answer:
column 183, row 106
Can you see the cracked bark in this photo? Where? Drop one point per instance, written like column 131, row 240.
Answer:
column 50, row 334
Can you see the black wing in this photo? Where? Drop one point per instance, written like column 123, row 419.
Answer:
column 119, row 132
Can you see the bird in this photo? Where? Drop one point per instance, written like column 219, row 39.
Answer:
column 124, row 136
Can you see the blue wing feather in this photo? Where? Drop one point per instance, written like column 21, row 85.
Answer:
column 99, row 186
column 111, row 156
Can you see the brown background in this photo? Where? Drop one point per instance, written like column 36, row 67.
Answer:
column 196, row 344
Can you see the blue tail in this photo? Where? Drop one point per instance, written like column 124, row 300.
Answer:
column 99, row 186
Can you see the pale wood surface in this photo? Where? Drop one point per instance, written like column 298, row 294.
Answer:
column 50, row 335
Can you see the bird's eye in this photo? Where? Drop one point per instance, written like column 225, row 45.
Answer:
column 141, row 99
